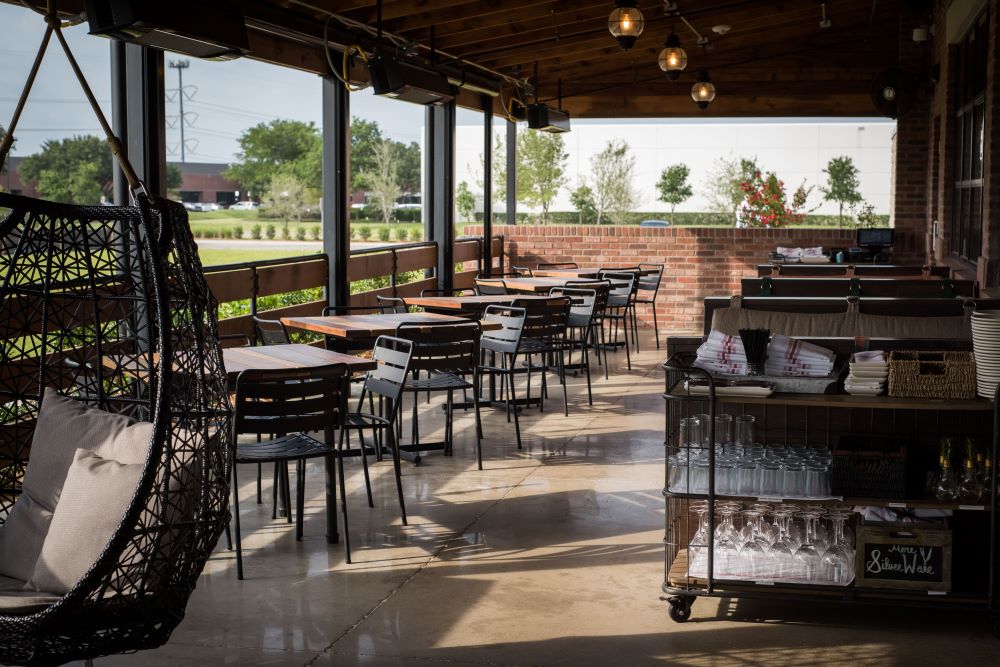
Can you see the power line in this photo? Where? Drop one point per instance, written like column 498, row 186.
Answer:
column 180, row 66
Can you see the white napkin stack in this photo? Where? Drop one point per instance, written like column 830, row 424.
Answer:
column 868, row 373
column 724, row 354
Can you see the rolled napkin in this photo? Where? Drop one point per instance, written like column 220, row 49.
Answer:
column 724, row 355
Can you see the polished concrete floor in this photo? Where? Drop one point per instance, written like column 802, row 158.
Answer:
column 550, row 556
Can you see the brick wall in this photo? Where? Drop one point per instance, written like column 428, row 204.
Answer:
column 699, row 262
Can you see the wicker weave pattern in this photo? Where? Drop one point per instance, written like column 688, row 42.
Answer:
column 915, row 374
column 109, row 305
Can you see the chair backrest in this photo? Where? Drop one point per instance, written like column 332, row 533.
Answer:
column 545, row 318
column 508, row 337
column 581, row 307
column 555, row 266
column 392, row 355
column 522, row 270
column 442, row 346
column 601, row 289
column 491, row 287
column 649, row 281
column 271, row 332
column 623, row 285
column 444, row 292
column 391, row 304
column 290, row 400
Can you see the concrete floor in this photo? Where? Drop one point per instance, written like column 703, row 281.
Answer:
column 550, row 556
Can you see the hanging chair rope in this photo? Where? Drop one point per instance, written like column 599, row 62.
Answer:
column 54, row 25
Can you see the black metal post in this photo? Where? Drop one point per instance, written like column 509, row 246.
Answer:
column 144, row 116
column 511, row 173
column 336, row 208
column 118, row 114
column 487, row 249
column 440, row 221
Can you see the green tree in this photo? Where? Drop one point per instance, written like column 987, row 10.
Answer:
column 841, row 184
column 673, row 185
column 611, row 174
column 382, row 181
column 408, row 159
column 723, row 189
column 366, row 136
column 582, row 199
column 290, row 147
column 75, row 170
column 465, row 201
column 174, row 178
column 286, row 198
column 3, row 133
column 541, row 169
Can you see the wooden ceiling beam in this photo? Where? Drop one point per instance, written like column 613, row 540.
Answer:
column 775, row 104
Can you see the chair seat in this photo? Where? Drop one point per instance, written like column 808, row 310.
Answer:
column 16, row 601
column 618, row 302
column 540, row 346
column 437, row 381
column 285, row 448
column 364, row 420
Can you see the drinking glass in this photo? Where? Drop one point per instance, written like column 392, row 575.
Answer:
column 727, row 553
column 771, row 481
column 794, row 480
column 753, row 559
column 807, row 556
column 699, row 475
column 817, row 481
column 838, row 560
column 782, row 551
column 698, row 547
column 725, row 474
column 745, row 474
column 744, row 430
column 705, row 421
column 723, row 429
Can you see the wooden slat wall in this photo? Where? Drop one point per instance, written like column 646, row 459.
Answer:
column 291, row 277
column 244, row 323
column 230, row 285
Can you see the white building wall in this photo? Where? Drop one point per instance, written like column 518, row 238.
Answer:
column 796, row 150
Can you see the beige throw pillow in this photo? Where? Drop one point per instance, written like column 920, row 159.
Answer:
column 64, row 425
column 94, row 498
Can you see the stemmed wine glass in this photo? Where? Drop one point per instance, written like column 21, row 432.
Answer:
column 838, row 560
column 727, row 542
column 753, row 555
column 807, row 556
column 698, row 547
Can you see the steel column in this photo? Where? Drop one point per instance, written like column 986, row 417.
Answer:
column 439, row 189
column 511, row 173
column 336, row 208
column 487, row 183
column 138, row 115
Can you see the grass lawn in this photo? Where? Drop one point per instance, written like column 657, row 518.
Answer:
column 216, row 256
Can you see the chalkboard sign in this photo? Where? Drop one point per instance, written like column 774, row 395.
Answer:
column 912, row 556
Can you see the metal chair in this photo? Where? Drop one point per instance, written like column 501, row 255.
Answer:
column 524, row 270
column 289, row 403
column 391, row 304
column 649, row 286
column 545, row 337
column 602, row 292
column 555, row 266
column 386, row 382
column 491, row 286
column 447, row 352
column 271, row 332
column 621, row 304
column 502, row 344
column 582, row 319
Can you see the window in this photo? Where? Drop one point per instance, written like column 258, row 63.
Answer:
column 966, row 231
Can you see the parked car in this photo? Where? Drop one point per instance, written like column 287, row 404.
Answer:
column 654, row 223
column 244, row 206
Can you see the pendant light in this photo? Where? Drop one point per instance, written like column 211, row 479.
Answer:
column 703, row 92
column 673, row 59
column 626, row 23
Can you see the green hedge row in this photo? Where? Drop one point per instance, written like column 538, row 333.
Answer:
column 687, row 219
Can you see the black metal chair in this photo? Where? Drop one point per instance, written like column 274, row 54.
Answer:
column 556, row 266
column 391, row 304
column 544, row 338
column 286, row 405
column 447, row 352
column 580, row 327
column 502, row 344
column 271, row 332
column 648, row 288
column 444, row 292
column 386, row 382
column 620, row 308
column 523, row 270
column 602, row 292
column 490, row 286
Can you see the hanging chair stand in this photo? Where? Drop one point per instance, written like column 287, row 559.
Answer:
column 109, row 305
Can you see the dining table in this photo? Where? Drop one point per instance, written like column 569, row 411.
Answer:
column 582, row 273
column 370, row 326
column 473, row 303
column 533, row 285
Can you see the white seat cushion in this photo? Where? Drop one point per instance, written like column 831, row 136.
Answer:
column 94, row 498
column 64, row 425
column 16, row 601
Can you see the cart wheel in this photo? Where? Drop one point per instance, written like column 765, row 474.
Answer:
column 680, row 608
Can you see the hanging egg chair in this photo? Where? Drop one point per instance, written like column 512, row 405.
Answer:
column 108, row 306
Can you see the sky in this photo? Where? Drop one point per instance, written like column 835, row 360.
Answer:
column 222, row 99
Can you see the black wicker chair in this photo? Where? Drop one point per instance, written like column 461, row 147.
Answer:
column 119, row 292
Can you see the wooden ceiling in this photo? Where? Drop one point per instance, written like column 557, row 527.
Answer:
column 775, row 60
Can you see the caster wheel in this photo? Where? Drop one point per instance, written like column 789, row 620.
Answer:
column 680, row 609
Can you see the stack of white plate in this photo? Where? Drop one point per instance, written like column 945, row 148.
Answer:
column 986, row 345
column 867, row 378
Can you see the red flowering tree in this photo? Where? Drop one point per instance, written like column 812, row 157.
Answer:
column 765, row 203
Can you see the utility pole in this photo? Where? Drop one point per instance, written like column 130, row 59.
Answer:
column 180, row 66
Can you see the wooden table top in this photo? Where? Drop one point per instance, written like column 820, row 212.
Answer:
column 263, row 357
column 370, row 326
column 286, row 357
column 472, row 302
column 536, row 285
column 579, row 273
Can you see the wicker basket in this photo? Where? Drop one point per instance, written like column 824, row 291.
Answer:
column 915, row 374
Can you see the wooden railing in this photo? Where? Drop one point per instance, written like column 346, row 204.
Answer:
column 251, row 281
